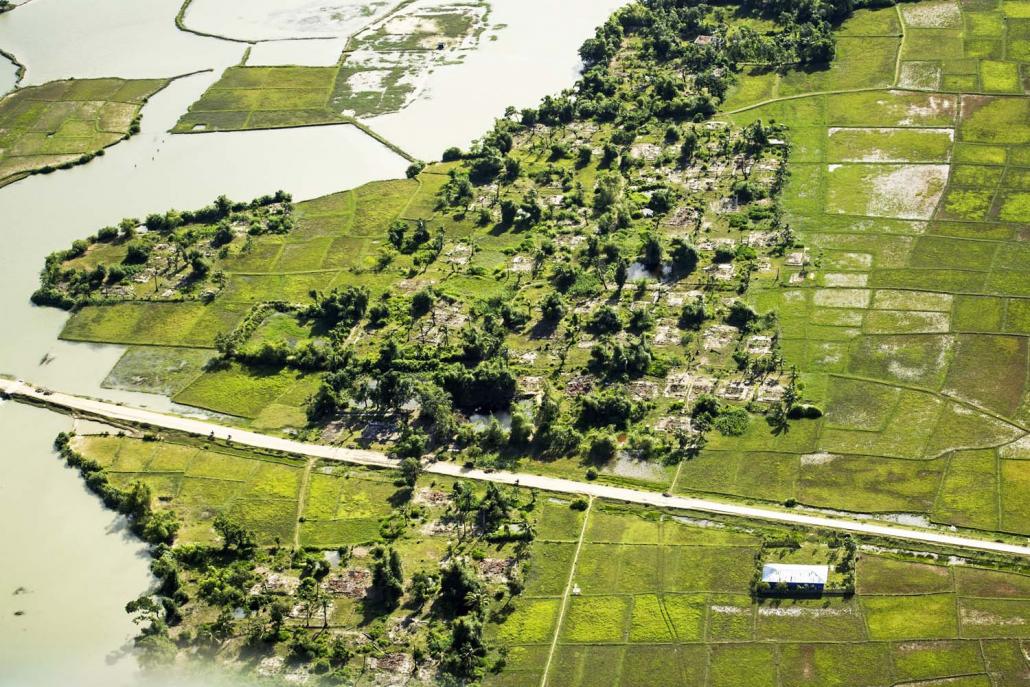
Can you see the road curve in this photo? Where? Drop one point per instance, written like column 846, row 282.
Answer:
column 19, row 390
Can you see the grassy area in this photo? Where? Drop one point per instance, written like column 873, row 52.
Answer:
column 819, row 298
column 64, row 123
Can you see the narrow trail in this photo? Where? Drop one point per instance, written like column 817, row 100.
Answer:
column 302, row 499
column 78, row 405
column 563, row 607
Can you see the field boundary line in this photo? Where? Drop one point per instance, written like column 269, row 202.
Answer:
column 568, row 592
column 813, row 94
column 305, row 479
column 901, row 45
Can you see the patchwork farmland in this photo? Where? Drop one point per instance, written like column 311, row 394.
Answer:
column 64, row 123
column 902, row 308
column 911, row 316
column 650, row 596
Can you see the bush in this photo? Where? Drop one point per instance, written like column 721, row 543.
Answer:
column 107, row 234
column 805, row 412
column 741, row 315
column 137, row 253
column 421, row 303
column 608, row 408
column 733, row 423
column 601, row 449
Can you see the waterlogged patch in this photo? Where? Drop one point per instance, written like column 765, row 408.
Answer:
column 902, row 191
column 842, row 298
column 369, row 80
column 805, row 611
column 888, row 299
column 934, row 108
column 1017, row 450
column 907, row 322
column 730, row 610
column 932, row 15
column 973, row 616
column 817, row 459
column 922, row 76
column 845, row 279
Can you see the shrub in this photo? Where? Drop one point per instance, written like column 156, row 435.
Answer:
column 733, row 423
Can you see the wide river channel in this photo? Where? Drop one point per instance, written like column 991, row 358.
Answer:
column 69, row 567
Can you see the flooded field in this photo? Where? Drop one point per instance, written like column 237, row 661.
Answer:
column 258, row 20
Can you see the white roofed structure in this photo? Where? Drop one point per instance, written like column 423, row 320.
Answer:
column 790, row 574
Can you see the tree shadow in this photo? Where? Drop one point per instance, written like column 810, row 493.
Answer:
column 543, row 329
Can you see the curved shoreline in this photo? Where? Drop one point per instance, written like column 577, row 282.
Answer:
column 19, row 70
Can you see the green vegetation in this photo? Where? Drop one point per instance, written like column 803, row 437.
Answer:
column 652, row 594
column 417, row 314
column 901, row 196
column 635, row 295
column 65, row 123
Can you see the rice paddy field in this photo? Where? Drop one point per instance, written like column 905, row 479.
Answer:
column 380, row 70
column 615, row 595
column 655, row 600
column 909, row 172
column 62, row 123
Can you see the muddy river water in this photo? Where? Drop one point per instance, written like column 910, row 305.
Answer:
column 68, row 567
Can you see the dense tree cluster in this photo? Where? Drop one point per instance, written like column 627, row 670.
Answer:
column 177, row 247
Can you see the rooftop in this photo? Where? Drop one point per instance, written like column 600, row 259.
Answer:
column 774, row 573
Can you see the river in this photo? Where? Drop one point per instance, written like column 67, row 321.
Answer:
column 70, row 555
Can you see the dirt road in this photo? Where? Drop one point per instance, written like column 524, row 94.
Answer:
column 21, row 391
